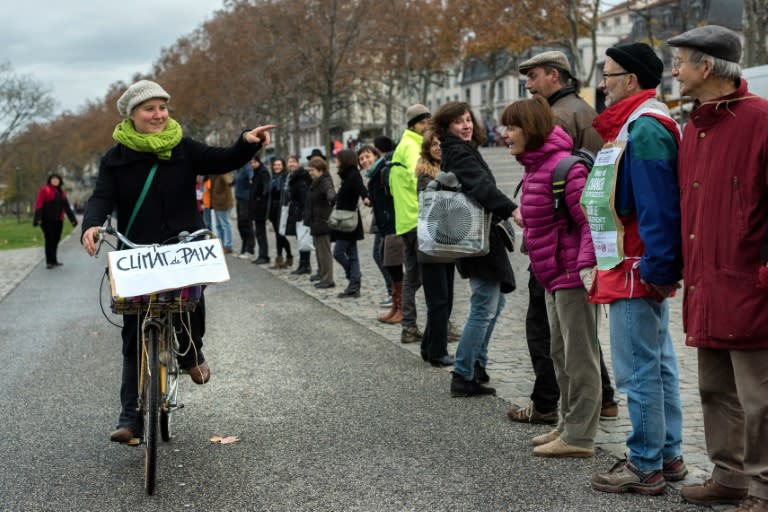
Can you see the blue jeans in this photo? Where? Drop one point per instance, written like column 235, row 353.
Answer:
column 645, row 368
column 485, row 305
column 224, row 228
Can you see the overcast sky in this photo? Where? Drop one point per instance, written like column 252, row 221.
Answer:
column 77, row 48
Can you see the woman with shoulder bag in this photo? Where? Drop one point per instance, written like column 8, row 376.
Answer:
column 350, row 192
column 490, row 276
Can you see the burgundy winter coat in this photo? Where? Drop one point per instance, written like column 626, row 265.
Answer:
column 723, row 168
column 558, row 247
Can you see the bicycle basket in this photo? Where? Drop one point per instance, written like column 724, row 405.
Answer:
column 175, row 301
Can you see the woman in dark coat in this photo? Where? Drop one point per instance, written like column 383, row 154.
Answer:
column 146, row 138
column 259, row 208
column 50, row 208
column 298, row 187
column 349, row 195
column 490, row 276
column 320, row 200
column 279, row 197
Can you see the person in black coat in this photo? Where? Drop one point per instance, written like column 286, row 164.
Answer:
column 490, row 276
column 148, row 138
column 320, row 200
column 350, row 192
column 259, row 208
column 278, row 199
column 298, row 188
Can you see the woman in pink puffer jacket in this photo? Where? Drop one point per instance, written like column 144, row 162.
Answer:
column 561, row 252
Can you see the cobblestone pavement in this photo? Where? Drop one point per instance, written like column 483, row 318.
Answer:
column 509, row 367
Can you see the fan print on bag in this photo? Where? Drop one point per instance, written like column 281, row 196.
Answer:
column 450, row 223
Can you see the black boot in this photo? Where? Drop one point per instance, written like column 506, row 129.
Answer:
column 304, row 267
column 481, row 375
column 461, row 387
column 352, row 291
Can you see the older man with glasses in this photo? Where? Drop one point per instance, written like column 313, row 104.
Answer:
column 632, row 201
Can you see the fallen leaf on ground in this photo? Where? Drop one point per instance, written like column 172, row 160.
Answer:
column 216, row 438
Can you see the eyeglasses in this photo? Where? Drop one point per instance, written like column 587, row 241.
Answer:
column 677, row 62
column 609, row 75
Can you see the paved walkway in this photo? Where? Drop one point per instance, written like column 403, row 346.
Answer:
column 509, row 366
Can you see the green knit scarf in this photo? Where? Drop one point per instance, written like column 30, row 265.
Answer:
column 160, row 144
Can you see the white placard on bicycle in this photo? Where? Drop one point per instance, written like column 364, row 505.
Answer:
column 166, row 267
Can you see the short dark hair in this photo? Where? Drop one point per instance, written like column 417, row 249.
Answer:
column 319, row 164
column 534, row 116
column 448, row 113
column 369, row 148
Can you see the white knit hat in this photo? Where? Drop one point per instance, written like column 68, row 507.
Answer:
column 138, row 93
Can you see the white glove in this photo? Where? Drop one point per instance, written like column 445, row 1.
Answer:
column 587, row 275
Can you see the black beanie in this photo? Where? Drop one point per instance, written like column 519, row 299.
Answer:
column 641, row 60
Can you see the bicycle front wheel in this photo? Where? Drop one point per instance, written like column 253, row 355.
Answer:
column 151, row 403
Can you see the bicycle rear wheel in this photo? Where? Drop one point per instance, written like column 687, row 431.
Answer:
column 151, row 405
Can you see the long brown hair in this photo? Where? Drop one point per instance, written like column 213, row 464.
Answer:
column 427, row 164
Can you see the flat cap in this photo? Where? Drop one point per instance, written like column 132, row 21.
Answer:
column 137, row 94
column 552, row 58
column 713, row 40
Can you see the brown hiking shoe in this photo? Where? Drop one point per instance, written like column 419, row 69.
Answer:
column 625, row 477
column 712, row 493
column 674, row 469
column 609, row 411
column 529, row 414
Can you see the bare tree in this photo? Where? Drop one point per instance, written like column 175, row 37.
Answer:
column 22, row 100
column 755, row 26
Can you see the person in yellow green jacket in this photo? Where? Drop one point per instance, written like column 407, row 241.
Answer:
column 402, row 185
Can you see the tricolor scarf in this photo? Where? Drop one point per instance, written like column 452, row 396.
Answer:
column 608, row 124
column 160, row 144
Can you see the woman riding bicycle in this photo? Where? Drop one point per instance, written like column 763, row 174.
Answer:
column 152, row 154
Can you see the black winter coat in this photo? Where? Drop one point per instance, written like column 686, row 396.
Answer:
column 298, row 187
column 350, row 192
column 320, row 200
column 171, row 202
column 260, row 195
column 276, row 187
column 477, row 182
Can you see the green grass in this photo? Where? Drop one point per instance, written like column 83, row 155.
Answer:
column 18, row 235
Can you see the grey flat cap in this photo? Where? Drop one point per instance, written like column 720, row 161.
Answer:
column 713, row 40
column 552, row 58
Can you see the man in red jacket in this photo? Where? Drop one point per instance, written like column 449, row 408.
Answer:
column 723, row 170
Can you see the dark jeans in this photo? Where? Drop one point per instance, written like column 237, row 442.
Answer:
column 437, row 279
column 244, row 226
column 52, row 233
column 345, row 252
column 411, row 279
column 378, row 241
column 281, row 241
column 129, row 387
column 261, row 238
column 546, row 392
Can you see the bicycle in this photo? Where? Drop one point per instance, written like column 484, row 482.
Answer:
column 158, row 346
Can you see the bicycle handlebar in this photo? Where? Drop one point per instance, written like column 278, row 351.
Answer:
column 183, row 237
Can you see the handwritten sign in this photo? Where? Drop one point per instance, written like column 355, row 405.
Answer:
column 597, row 202
column 166, row 267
